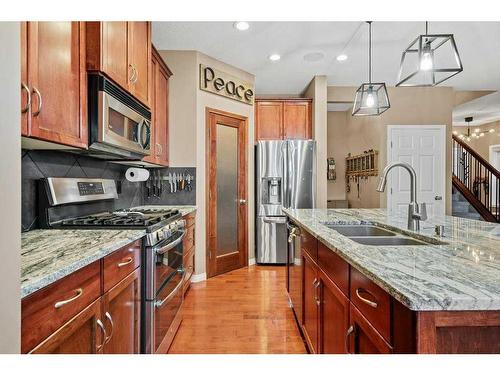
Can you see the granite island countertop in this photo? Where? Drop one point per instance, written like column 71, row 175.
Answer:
column 48, row 255
column 462, row 274
column 184, row 210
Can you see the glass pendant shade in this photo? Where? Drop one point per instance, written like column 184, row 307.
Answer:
column 429, row 60
column 371, row 100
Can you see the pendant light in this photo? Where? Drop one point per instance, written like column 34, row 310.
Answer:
column 371, row 98
column 429, row 60
column 477, row 133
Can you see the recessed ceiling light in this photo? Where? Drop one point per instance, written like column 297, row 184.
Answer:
column 342, row 57
column 274, row 57
column 241, row 25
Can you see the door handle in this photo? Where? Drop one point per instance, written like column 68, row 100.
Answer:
column 438, row 198
column 39, row 108
column 243, row 201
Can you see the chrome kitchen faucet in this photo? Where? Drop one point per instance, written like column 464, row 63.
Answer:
column 416, row 212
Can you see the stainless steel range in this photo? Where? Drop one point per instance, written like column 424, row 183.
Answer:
column 162, row 268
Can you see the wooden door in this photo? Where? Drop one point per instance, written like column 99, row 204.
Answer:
column 121, row 316
column 115, row 51
column 310, row 303
column 227, row 192
column 57, row 79
column 363, row 337
column 333, row 317
column 25, row 90
column 81, row 335
column 139, row 59
column 268, row 120
column 296, row 120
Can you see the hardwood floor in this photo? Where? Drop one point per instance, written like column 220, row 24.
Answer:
column 243, row 311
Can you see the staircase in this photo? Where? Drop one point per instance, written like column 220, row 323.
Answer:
column 476, row 184
column 462, row 208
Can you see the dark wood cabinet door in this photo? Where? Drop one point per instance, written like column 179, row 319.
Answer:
column 297, row 120
column 81, row 335
column 153, row 155
column 57, row 79
column 115, row 52
column 121, row 316
column 268, row 120
column 333, row 317
column 139, row 59
column 161, row 116
column 363, row 337
column 25, row 90
column 310, row 289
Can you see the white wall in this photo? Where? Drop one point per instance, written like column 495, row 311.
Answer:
column 317, row 90
column 10, row 188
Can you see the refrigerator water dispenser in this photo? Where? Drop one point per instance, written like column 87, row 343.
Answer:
column 271, row 190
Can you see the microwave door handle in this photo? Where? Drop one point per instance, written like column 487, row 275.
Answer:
column 171, row 245
column 173, row 292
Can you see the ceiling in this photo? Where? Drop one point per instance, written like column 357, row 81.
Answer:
column 484, row 110
column 478, row 44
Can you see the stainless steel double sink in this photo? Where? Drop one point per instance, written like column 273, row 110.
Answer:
column 369, row 234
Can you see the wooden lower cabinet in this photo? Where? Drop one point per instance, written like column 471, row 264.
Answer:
column 121, row 316
column 310, row 303
column 81, row 335
column 363, row 338
column 333, row 317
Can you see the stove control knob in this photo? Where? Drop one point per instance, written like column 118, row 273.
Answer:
column 166, row 233
column 160, row 235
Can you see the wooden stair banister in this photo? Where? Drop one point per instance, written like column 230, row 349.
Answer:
column 477, row 180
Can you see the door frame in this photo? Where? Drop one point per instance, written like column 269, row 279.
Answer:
column 210, row 263
column 442, row 131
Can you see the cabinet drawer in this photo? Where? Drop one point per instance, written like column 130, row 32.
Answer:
column 373, row 302
column 190, row 219
column 309, row 244
column 334, row 267
column 188, row 241
column 48, row 309
column 119, row 264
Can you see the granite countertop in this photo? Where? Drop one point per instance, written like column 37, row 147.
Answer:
column 48, row 255
column 184, row 210
column 463, row 274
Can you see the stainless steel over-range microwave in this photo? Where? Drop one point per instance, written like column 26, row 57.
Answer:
column 119, row 125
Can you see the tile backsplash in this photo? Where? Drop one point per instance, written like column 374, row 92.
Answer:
column 40, row 164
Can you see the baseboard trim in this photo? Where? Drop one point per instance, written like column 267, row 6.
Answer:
column 198, row 278
column 251, row 261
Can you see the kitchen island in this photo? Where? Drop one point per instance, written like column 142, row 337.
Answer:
column 439, row 296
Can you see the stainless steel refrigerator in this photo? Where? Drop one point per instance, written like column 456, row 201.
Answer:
column 285, row 178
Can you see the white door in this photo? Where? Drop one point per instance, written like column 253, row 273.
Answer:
column 424, row 148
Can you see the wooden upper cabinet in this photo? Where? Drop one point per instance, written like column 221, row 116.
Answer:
column 81, row 335
column 268, row 120
column 122, row 50
column 56, row 76
column 283, row 119
column 297, row 120
column 160, row 74
column 121, row 316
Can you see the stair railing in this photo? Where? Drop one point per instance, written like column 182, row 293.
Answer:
column 477, row 180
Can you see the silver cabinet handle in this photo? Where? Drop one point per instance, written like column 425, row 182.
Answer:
column 108, row 316
column 350, row 330
column 127, row 261
column 37, row 93
column 438, row 198
column 132, row 76
column 159, row 149
column 28, row 99
column 79, row 293
column 365, row 300
column 317, row 285
column 135, row 74
column 104, row 334
column 243, row 201
column 173, row 292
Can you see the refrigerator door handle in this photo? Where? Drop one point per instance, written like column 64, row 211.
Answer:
column 285, row 188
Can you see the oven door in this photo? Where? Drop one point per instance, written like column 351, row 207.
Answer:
column 122, row 127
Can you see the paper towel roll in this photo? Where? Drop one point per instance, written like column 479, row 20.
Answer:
column 137, row 174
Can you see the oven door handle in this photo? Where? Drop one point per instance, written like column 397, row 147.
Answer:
column 173, row 292
column 171, row 245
